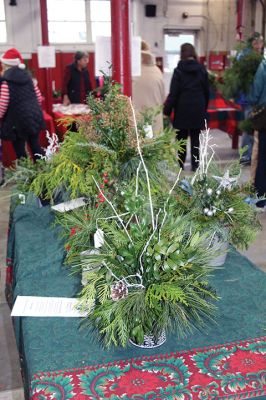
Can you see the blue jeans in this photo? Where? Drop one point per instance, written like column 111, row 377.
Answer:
column 247, row 139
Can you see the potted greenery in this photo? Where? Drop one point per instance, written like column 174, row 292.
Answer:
column 217, row 200
column 147, row 270
column 146, row 280
column 104, row 143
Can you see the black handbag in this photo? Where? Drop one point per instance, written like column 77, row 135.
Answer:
column 257, row 116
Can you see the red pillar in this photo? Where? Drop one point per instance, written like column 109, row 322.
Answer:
column 121, row 44
column 48, row 72
column 240, row 19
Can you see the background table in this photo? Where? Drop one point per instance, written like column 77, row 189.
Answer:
column 224, row 115
column 36, row 254
column 65, row 117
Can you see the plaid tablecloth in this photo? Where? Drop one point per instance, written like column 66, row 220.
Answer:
column 225, row 115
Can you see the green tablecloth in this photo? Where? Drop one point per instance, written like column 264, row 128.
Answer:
column 48, row 344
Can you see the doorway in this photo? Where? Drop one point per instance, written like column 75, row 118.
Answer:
column 173, row 39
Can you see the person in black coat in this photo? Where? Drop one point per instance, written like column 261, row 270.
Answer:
column 76, row 80
column 188, row 98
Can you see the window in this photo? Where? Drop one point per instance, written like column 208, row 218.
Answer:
column 172, row 42
column 3, row 36
column 100, row 16
column 78, row 21
column 67, row 21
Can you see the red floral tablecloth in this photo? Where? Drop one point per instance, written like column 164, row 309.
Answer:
column 230, row 371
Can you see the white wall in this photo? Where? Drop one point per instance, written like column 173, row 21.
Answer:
column 214, row 20
column 168, row 15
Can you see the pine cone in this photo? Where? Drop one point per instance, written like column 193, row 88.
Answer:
column 119, row 291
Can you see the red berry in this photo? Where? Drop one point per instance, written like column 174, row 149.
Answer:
column 72, row 231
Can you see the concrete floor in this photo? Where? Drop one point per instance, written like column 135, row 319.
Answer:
column 10, row 379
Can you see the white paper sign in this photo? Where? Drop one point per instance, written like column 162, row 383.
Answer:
column 46, row 56
column 34, row 306
column 69, row 205
column 136, row 56
column 103, row 55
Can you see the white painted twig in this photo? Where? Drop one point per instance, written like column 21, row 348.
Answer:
column 137, row 179
column 111, row 205
column 124, row 279
column 143, row 163
column 112, row 217
column 166, row 202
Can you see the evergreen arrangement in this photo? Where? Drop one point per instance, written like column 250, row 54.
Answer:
column 147, row 271
column 104, row 144
column 23, row 173
column 217, row 201
column 144, row 253
column 145, row 280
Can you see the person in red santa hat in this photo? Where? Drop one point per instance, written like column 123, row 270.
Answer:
column 20, row 106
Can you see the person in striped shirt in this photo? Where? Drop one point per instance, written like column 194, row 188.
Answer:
column 20, row 106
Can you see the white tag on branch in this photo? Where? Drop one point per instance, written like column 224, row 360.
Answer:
column 89, row 252
column 98, row 238
column 22, row 198
column 148, row 131
column 69, row 205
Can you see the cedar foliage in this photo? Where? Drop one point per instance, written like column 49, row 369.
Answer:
column 175, row 293
column 105, row 143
